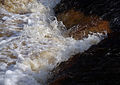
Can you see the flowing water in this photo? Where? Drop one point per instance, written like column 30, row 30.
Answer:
column 32, row 42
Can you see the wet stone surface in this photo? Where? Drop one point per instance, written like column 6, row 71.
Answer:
column 106, row 9
column 79, row 25
column 100, row 65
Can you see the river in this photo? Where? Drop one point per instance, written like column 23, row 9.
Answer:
column 32, row 42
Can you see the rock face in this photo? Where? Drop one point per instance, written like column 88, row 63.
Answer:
column 100, row 65
column 107, row 9
column 80, row 26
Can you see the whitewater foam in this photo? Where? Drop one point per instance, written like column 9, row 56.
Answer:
column 37, row 44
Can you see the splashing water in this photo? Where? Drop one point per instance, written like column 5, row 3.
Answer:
column 33, row 43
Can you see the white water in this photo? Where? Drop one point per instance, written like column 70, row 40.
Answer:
column 36, row 44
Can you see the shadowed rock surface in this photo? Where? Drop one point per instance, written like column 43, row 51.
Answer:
column 106, row 9
column 100, row 65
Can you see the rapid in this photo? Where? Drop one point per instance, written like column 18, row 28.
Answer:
column 33, row 42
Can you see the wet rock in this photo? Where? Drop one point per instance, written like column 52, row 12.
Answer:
column 80, row 26
column 100, row 65
column 106, row 9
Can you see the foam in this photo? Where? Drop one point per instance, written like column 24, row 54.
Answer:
column 38, row 46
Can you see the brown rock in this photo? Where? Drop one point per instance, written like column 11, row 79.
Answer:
column 80, row 26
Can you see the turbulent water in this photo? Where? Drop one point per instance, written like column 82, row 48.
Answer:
column 32, row 42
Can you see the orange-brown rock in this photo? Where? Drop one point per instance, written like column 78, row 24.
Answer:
column 80, row 26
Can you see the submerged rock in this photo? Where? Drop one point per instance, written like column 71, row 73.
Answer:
column 106, row 9
column 80, row 26
column 15, row 6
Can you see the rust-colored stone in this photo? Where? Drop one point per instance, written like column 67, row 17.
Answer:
column 80, row 26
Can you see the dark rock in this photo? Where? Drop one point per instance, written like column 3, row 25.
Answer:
column 100, row 65
column 107, row 9
column 80, row 26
